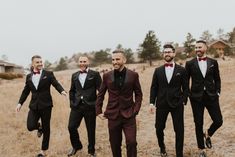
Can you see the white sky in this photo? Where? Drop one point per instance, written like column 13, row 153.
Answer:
column 57, row 28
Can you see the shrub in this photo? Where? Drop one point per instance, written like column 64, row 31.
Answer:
column 10, row 76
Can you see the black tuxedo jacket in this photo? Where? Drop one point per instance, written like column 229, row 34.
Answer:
column 41, row 97
column 88, row 92
column 125, row 101
column 174, row 93
column 211, row 83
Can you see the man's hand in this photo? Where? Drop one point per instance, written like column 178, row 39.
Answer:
column 152, row 108
column 101, row 116
column 64, row 93
column 18, row 107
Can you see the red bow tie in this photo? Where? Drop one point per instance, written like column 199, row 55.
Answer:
column 37, row 72
column 168, row 65
column 202, row 58
column 81, row 72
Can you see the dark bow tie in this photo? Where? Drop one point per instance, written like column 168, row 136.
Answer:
column 168, row 65
column 84, row 71
column 202, row 58
column 37, row 72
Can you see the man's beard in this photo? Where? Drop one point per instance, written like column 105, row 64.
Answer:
column 168, row 60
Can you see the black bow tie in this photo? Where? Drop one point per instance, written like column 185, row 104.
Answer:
column 84, row 71
column 37, row 72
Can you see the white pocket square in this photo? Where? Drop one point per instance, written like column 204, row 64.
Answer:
column 178, row 74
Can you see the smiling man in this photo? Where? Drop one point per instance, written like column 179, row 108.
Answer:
column 204, row 93
column 84, row 85
column 124, row 101
column 38, row 82
column 168, row 94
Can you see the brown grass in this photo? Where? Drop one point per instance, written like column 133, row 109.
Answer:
column 16, row 141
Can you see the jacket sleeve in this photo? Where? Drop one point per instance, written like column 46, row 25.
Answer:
column 138, row 95
column 25, row 92
column 56, row 84
column 101, row 94
column 72, row 90
column 98, row 81
column 154, row 88
column 185, row 86
column 217, row 78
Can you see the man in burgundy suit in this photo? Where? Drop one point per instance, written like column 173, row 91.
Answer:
column 122, row 84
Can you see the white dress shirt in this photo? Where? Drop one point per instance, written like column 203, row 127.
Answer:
column 203, row 66
column 82, row 78
column 169, row 72
column 36, row 79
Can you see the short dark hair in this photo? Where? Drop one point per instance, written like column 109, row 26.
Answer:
column 35, row 56
column 201, row 41
column 169, row 46
column 119, row 51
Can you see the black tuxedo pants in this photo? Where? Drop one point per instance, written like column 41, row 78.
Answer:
column 32, row 124
column 213, row 108
column 177, row 115
column 89, row 115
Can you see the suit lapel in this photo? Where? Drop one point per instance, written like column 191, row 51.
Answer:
column 197, row 66
column 77, row 81
column 163, row 73
column 31, row 81
column 42, row 76
column 87, row 77
column 174, row 73
column 209, row 63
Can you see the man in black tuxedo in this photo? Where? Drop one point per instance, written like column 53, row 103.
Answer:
column 204, row 93
column 84, row 85
column 38, row 82
column 168, row 94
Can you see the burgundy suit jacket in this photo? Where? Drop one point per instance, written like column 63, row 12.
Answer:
column 125, row 102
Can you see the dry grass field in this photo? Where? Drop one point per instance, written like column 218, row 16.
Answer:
column 16, row 141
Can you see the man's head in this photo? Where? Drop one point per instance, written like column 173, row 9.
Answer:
column 168, row 52
column 83, row 62
column 200, row 48
column 118, row 60
column 37, row 64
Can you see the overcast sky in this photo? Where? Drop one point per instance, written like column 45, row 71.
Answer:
column 57, row 28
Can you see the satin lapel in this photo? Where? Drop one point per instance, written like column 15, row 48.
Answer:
column 209, row 63
column 197, row 66
column 112, row 77
column 174, row 73
column 42, row 75
column 77, row 81
column 31, row 81
column 163, row 73
column 87, row 76
column 126, row 78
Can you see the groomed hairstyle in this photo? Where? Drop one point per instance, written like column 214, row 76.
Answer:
column 201, row 41
column 119, row 51
column 169, row 46
column 35, row 56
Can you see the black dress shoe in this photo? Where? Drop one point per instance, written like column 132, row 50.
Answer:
column 202, row 154
column 39, row 133
column 163, row 152
column 73, row 151
column 208, row 141
column 40, row 155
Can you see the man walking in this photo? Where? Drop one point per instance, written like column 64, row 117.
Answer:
column 38, row 82
column 204, row 93
column 168, row 94
column 124, row 101
column 84, row 86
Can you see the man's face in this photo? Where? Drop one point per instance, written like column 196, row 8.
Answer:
column 168, row 54
column 200, row 49
column 37, row 64
column 118, row 61
column 83, row 63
